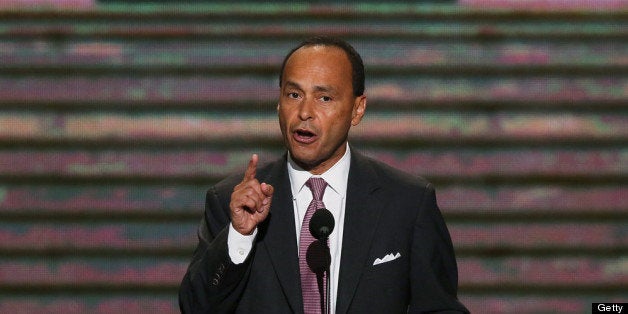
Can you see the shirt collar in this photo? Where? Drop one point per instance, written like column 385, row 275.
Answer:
column 336, row 176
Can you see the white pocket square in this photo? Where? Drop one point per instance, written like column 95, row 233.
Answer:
column 387, row 258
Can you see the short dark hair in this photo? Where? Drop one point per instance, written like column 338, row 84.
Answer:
column 357, row 66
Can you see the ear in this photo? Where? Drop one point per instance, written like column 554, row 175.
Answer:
column 359, row 107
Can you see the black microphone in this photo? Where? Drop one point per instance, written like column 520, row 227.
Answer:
column 322, row 224
column 318, row 257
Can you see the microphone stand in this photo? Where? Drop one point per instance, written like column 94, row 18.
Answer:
column 327, row 309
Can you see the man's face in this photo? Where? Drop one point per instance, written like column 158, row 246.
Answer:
column 317, row 106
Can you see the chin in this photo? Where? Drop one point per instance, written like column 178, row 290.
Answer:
column 304, row 160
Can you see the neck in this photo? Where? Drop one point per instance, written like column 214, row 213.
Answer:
column 322, row 166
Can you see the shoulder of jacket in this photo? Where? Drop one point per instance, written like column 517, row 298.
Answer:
column 388, row 174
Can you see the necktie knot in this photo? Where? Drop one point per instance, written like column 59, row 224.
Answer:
column 317, row 186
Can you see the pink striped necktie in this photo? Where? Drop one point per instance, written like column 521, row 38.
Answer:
column 312, row 290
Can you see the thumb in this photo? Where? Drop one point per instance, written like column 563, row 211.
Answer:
column 267, row 189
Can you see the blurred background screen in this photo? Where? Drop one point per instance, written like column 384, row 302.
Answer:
column 116, row 116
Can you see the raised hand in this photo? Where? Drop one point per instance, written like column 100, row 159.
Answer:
column 250, row 200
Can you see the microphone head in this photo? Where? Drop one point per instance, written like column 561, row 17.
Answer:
column 322, row 223
column 317, row 257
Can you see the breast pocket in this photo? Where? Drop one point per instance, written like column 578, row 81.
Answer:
column 385, row 286
column 390, row 268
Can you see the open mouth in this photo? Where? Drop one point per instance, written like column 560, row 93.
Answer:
column 304, row 136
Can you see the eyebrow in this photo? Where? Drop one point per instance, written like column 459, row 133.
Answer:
column 317, row 88
column 291, row 84
column 324, row 88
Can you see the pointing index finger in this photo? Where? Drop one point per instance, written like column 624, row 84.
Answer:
column 251, row 170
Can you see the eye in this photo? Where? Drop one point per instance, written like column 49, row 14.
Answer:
column 293, row 95
column 325, row 98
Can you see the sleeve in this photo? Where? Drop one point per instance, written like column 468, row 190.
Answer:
column 213, row 283
column 239, row 245
column 434, row 272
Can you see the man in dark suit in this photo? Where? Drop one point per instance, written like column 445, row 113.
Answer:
column 390, row 251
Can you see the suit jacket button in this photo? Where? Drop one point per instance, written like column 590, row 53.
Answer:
column 215, row 282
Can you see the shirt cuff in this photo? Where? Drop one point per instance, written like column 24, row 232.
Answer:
column 239, row 245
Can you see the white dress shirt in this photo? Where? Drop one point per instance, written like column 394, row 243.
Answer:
column 334, row 200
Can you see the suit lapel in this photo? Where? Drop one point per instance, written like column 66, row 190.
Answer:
column 362, row 212
column 276, row 234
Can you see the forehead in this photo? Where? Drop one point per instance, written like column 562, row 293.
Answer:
column 322, row 62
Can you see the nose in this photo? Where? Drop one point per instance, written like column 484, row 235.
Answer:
column 306, row 109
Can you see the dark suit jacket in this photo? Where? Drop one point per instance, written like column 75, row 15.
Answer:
column 387, row 211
